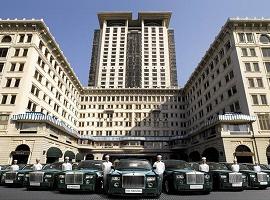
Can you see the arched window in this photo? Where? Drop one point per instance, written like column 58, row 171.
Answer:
column 6, row 39
column 264, row 39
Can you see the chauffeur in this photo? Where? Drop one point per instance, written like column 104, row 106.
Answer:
column 257, row 167
column 160, row 166
column 107, row 166
column 37, row 166
column 235, row 167
column 203, row 166
column 66, row 166
column 15, row 166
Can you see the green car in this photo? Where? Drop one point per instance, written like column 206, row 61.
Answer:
column 263, row 176
column 224, row 179
column 4, row 168
column 88, row 176
column 180, row 177
column 16, row 178
column 133, row 177
column 45, row 178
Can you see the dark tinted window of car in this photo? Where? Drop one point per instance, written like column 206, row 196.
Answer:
column 244, row 167
column 133, row 164
column 90, row 165
column 217, row 166
column 53, row 166
column 28, row 167
column 177, row 165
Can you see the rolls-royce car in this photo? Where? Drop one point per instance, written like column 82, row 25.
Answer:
column 264, row 176
column 224, row 179
column 179, row 176
column 45, row 178
column 4, row 168
column 88, row 176
column 16, row 178
column 133, row 177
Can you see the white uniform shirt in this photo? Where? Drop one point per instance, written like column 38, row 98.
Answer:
column 66, row 166
column 235, row 167
column 204, row 167
column 160, row 167
column 37, row 166
column 107, row 166
column 257, row 168
column 0, row 167
column 14, row 167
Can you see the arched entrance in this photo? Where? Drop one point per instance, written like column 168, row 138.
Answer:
column 211, row 154
column 89, row 157
column 69, row 154
column 194, row 156
column 21, row 154
column 79, row 157
column 53, row 155
column 243, row 154
column 268, row 154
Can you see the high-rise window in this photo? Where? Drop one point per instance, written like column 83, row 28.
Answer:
column 264, row 121
column 3, row 52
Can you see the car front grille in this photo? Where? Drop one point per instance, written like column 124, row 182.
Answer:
column 235, row 178
column 262, row 177
column 74, row 178
column 133, row 181
column 11, row 175
column 195, row 178
column 36, row 177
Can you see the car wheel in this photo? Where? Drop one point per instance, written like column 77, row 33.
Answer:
column 167, row 187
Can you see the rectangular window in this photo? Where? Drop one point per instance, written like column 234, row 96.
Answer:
column 263, row 99
column 4, row 99
column 17, row 52
column 29, row 38
column 267, row 66
column 255, row 99
column 264, row 121
column 256, row 67
column 266, row 52
column 21, row 38
column 241, row 37
column 25, row 51
column 252, row 52
column 21, row 67
column 13, row 99
column 3, row 52
column 8, row 83
column 248, row 67
column 1, row 67
column 251, row 82
column 244, row 52
column 249, row 37
column 259, row 82
column 17, row 82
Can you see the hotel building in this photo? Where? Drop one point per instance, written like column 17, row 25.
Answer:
column 132, row 106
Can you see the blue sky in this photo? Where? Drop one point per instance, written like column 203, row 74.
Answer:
column 196, row 23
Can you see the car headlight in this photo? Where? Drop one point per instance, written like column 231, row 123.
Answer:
column 115, row 178
column 48, row 176
column 223, row 176
column 27, row 175
column 20, row 175
column 179, row 176
column 206, row 176
column 267, row 175
column 243, row 176
column 62, row 176
column 149, row 179
column 89, row 176
column 252, row 175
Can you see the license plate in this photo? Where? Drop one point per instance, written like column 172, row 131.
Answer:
column 196, row 186
column 263, row 183
column 237, row 184
column 8, row 181
column 34, row 184
column 76, row 187
column 138, row 191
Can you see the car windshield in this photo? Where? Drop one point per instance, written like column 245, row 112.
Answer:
column 3, row 167
column 217, row 166
column 133, row 164
column 264, row 167
column 250, row 167
column 176, row 164
column 194, row 166
column 53, row 166
column 91, row 165
column 244, row 167
column 28, row 167
column 21, row 166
